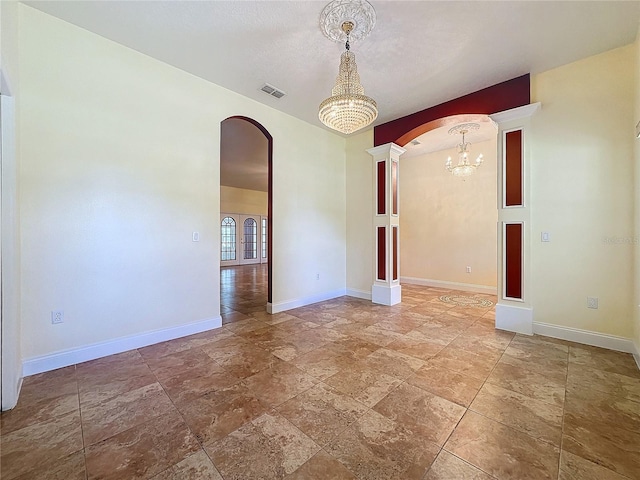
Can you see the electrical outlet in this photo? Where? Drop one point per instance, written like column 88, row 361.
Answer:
column 57, row 316
column 592, row 302
column 317, row 276
column 468, row 269
column 195, row 237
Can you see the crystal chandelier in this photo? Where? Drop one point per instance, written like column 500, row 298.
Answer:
column 463, row 168
column 347, row 109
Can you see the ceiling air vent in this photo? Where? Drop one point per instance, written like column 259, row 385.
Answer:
column 273, row 91
column 415, row 142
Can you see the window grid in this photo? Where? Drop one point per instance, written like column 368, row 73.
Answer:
column 264, row 238
column 228, row 240
column 250, row 239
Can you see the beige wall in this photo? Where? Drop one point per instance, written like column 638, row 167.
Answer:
column 582, row 193
column 120, row 163
column 448, row 223
column 241, row 200
column 360, row 214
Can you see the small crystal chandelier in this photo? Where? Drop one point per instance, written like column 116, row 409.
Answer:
column 463, row 168
column 348, row 109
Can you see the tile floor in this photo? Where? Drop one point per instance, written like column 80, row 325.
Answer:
column 343, row 389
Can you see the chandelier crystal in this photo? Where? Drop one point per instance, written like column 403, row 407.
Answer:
column 464, row 168
column 348, row 109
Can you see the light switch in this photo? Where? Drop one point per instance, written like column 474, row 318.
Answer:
column 546, row 237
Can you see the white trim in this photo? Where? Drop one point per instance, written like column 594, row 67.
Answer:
column 354, row 292
column 517, row 113
column 586, row 337
column 301, row 302
column 636, row 354
column 469, row 287
column 514, row 319
column 386, row 294
column 64, row 358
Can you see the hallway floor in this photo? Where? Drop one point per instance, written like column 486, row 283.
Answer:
column 342, row 389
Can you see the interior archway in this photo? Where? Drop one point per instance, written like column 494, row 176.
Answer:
column 448, row 235
column 246, row 160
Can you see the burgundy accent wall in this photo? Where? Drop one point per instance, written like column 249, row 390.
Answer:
column 497, row 98
column 513, row 168
column 513, row 267
column 382, row 253
column 382, row 188
column 395, row 253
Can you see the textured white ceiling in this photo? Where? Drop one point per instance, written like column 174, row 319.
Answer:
column 420, row 53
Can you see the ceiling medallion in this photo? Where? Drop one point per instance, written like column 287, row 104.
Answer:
column 463, row 168
column 348, row 109
column 359, row 12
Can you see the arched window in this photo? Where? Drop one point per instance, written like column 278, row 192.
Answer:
column 228, row 240
column 250, row 239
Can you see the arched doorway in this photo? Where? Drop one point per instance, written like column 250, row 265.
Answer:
column 246, row 159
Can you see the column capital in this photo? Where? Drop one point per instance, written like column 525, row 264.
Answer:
column 386, row 150
column 517, row 113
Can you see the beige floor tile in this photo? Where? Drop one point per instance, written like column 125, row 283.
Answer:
column 276, row 385
column 269, row 447
column 465, row 362
column 501, row 451
column 606, row 382
column 527, row 382
column 177, row 363
column 450, row 467
column 216, row 414
column 607, row 445
column 364, row 385
column 23, row 450
column 66, row 468
column 453, row 386
column 377, row 448
column 142, row 451
column 102, row 383
column 536, row 418
column 195, row 467
column 605, row 360
column 573, row 467
column 195, row 382
column 321, row 466
column 105, row 419
column 431, row 417
column 392, row 363
column 321, row 412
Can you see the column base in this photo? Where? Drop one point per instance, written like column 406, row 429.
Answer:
column 384, row 295
column 514, row 319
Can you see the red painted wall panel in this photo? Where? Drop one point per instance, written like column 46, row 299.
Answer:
column 513, row 267
column 382, row 253
column 513, row 168
column 382, row 188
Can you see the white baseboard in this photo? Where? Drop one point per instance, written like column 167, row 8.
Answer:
column 45, row 363
column 469, row 287
column 354, row 292
column 636, row 354
column 587, row 337
column 514, row 319
column 301, row 302
column 10, row 400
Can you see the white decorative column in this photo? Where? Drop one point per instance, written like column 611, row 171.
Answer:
column 386, row 288
column 514, row 310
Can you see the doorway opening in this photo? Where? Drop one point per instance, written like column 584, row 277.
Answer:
column 246, row 234
column 448, row 224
